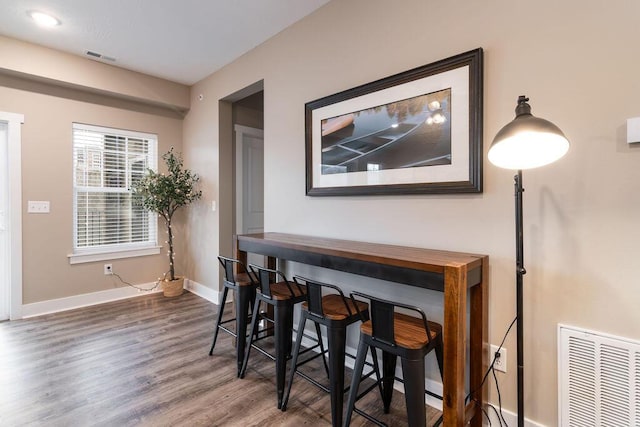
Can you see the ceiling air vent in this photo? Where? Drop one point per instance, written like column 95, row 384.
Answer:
column 97, row 55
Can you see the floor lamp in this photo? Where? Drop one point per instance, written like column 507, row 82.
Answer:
column 526, row 142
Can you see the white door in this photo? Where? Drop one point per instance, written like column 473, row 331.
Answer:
column 10, row 216
column 4, row 237
column 250, row 183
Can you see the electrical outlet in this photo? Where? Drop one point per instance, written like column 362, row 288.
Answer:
column 108, row 269
column 39, row 207
column 501, row 361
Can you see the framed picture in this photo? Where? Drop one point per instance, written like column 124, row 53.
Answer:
column 416, row 132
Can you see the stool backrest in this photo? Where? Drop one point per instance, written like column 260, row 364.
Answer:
column 381, row 313
column 267, row 276
column 228, row 265
column 314, row 295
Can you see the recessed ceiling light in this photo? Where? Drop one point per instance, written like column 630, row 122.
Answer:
column 43, row 19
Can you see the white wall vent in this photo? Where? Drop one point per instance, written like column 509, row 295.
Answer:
column 599, row 379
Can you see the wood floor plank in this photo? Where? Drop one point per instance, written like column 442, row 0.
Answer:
column 144, row 362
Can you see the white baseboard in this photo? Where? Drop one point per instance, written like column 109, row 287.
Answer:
column 84, row 300
column 205, row 292
column 510, row 417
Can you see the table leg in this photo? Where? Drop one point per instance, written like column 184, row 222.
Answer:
column 479, row 362
column 271, row 263
column 239, row 255
column 455, row 320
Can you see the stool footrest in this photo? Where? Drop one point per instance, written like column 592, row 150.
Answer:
column 432, row 394
column 264, row 331
column 227, row 330
column 231, row 319
column 314, row 357
column 220, row 325
column 306, row 350
column 263, row 351
column 371, row 387
column 369, row 417
column 313, row 381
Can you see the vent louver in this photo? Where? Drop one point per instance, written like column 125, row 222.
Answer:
column 599, row 379
column 97, row 55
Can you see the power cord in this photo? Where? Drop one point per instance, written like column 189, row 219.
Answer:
column 501, row 418
column 491, row 370
column 157, row 283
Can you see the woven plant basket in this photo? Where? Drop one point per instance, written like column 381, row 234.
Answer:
column 173, row 288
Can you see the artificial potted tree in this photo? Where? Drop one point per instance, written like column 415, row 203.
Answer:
column 164, row 194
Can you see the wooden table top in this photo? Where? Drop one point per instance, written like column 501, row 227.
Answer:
column 290, row 246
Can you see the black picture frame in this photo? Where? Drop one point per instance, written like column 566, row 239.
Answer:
column 448, row 93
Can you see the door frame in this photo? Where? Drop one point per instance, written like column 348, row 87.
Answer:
column 14, row 210
column 241, row 131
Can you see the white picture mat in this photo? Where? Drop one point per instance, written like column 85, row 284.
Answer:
column 456, row 79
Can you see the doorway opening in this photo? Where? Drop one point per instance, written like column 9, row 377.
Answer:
column 242, row 165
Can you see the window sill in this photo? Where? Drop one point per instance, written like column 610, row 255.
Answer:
column 102, row 256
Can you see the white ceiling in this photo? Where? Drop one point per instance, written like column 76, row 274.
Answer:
column 179, row 40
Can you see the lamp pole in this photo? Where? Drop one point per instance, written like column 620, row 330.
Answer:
column 524, row 143
column 520, row 272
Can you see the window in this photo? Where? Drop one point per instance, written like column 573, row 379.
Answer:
column 108, row 223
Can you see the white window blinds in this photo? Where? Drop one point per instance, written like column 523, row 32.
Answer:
column 106, row 162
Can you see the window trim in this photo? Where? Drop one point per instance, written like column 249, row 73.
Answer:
column 115, row 251
column 94, row 255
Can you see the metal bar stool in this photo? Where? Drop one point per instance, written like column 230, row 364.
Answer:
column 275, row 290
column 397, row 335
column 335, row 312
column 243, row 285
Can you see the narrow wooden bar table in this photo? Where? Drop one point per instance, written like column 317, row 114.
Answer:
column 458, row 275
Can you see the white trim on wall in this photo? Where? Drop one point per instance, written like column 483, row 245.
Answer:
column 85, row 300
column 14, row 213
column 103, row 256
column 205, row 292
column 510, row 417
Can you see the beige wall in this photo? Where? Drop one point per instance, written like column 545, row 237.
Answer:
column 574, row 59
column 49, row 111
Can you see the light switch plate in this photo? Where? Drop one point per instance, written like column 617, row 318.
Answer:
column 38, row 206
column 633, row 130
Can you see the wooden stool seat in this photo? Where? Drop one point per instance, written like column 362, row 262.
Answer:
column 283, row 291
column 244, row 279
column 336, row 307
column 408, row 330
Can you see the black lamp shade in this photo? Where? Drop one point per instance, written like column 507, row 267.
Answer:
column 527, row 142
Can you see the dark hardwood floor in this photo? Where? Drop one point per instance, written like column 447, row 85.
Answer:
column 144, row 361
